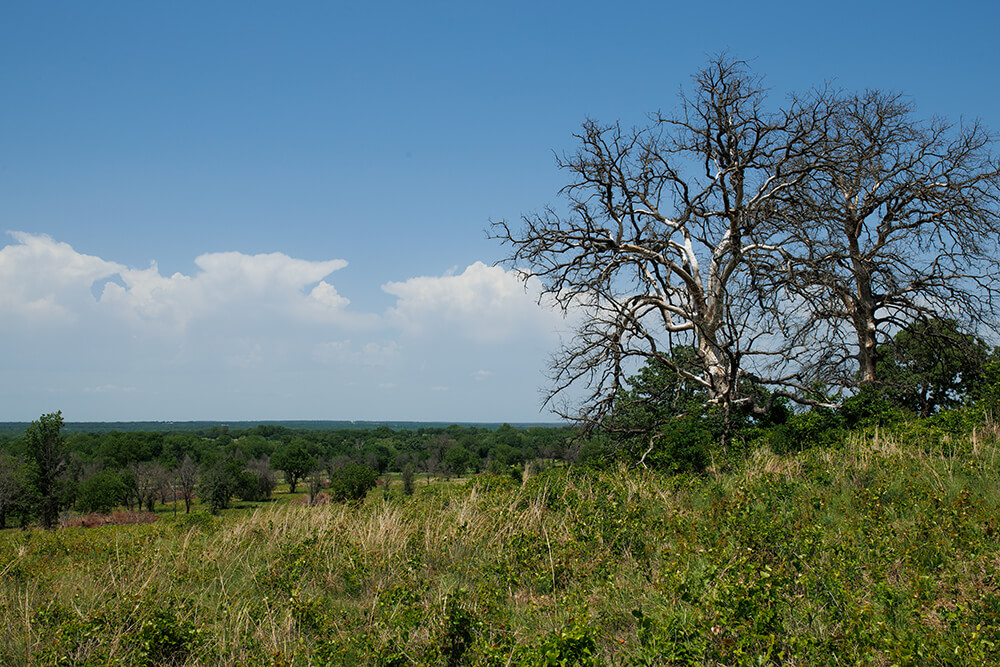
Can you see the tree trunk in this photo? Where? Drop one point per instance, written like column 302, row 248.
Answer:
column 865, row 325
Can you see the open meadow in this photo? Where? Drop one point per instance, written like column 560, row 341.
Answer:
column 880, row 551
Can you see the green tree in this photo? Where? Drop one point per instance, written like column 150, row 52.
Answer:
column 296, row 461
column 101, row 492
column 13, row 486
column 261, row 470
column 352, row 482
column 457, row 460
column 408, row 479
column 214, row 488
column 46, row 446
column 661, row 419
column 932, row 365
column 221, row 480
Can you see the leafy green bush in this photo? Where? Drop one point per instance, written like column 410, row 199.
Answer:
column 574, row 645
column 163, row 638
column 352, row 482
column 101, row 492
column 871, row 406
column 816, row 428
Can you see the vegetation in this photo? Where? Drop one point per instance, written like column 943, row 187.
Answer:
column 878, row 549
column 45, row 445
column 100, row 471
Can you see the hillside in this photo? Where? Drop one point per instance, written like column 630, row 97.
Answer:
column 881, row 550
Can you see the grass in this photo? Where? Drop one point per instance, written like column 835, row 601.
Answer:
column 883, row 552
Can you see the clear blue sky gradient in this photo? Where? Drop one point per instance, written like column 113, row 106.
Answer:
column 384, row 134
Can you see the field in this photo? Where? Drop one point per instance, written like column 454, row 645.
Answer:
column 882, row 551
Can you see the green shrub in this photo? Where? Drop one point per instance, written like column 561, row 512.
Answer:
column 352, row 482
column 870, row 407
column 816, row 428
column 101, row 492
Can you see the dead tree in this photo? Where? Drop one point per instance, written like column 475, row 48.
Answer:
column 665, row 223
column 186, row 476
column 897, row 223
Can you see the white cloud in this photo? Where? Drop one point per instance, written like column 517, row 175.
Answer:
column 230, row 284
column 484, row 303
column 43, row 282
column 261, row 336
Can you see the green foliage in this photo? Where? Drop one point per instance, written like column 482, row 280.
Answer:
column 457, row 631
column 409, row 476
column 46, row 446
column 663, row 421
column 352, row 482
column 457, row 460
column 101, row 492
column 986, row 393
column 931, row 365
column 819, row 427
column 871, row 406
column 14, row 494
column 573, row 646
column 163, row 638
column 295, row 460
column 879, row 550
column 222, row 479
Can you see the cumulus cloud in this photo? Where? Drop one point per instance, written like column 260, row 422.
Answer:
column 272, row 283
column 43, row 281
column 261, row 336
column 484, row 303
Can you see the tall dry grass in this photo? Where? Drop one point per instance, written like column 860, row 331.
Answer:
column 795, row 557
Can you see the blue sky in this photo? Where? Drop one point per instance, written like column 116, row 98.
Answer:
column 222, row 210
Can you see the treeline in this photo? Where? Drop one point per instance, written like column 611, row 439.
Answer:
column 46, row 471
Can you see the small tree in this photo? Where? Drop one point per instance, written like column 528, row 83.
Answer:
column 295, row 461
column 219, row 482
column 101, row 492
column 931, row 365
column 408, row 479
column 456, row 460
column 46, row 446
column 13, row 485
column 352, row 482
column 263, row 475
column 315, row 481
column 147, row 480
column 187, row 479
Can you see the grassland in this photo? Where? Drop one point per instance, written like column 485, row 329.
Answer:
column 882, row 551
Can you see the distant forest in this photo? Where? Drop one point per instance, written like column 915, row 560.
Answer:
column 15, row 429
column 48, row 467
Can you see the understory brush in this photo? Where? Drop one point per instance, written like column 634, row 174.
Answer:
column 880, row 550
